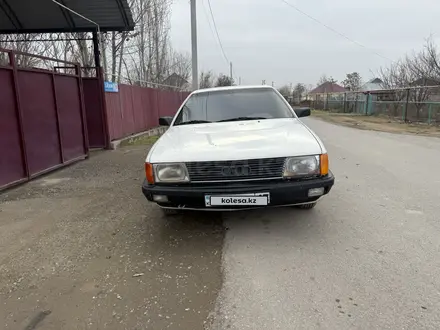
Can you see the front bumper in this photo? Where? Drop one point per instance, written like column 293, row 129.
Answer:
column 282, row 193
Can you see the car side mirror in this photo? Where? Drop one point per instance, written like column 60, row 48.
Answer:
column 302, row 112
column 165, row 121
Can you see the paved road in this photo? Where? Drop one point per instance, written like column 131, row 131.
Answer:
column 366, row 258
column 81, row 249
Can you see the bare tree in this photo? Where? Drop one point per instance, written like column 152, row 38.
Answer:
column 24, row 43
column 323, row 79
column 430, row 58
column 298, row 92
column 148, row 48
column 308, row 88
column 224, row 80
column 285, row 91
column 394, row 78
column 143, row 56
column 180, row 65
column 419, row 73
column 206, row 79
column 418, row 69
column 353, row 81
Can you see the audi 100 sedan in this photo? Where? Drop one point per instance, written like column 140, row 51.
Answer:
column 233, row 148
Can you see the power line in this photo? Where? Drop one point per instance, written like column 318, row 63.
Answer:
column 213, row 33
column 216, row 31
column 218, row 36
column 335, row 31
column 209, row 21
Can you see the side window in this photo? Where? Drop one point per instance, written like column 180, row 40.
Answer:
column 185, row 115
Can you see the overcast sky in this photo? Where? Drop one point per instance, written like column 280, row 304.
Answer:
column 266, row 39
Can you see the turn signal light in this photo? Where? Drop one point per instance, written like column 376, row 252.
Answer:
column 149, row 173
column 324, row 164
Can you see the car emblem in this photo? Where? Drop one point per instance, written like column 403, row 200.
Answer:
column 242, row 170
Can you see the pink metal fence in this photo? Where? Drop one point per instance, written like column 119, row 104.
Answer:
column 47, row 115
column 96, row 119
column 42, row 119
column 135, row 109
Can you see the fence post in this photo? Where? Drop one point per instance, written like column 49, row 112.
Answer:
column 429, row 113
column 19, row 113
column 345, row 101
column 367, row 104
column 405, row 109
column 105, row 123
column 82, row 105
column 356, row 103
column 57, row 117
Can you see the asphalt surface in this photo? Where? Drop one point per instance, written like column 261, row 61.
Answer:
column 367, row 257
column 82, row 249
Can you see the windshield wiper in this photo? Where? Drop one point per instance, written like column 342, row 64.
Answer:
column 241, row 118
column 194, row 122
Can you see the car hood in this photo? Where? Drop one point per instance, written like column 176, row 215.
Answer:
column 235, row 140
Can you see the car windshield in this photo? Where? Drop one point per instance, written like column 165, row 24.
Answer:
column 232, row 105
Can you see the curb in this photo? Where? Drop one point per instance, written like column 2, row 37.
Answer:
column 151, row 132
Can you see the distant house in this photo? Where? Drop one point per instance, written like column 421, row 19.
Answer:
column 374, row 84
column 176, row 80
column 326, row 92
column 327, row 95
column 328, row 87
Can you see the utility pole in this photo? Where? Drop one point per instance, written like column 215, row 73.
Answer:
column 273, row 83
column 230, row 71
column 195, row 74
column 239, row 81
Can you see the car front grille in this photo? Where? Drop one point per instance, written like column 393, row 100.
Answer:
column 236, row 170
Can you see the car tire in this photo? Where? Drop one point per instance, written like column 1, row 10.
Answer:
column 308, row 206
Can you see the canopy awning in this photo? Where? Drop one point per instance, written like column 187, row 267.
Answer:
column 45, row 16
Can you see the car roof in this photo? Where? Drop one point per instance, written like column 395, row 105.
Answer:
column 225, row 88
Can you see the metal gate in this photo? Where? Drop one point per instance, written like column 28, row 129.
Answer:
column 42, row 116
column 95, row 109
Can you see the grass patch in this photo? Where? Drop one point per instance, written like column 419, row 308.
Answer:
column 377, row 123
column 140, row 140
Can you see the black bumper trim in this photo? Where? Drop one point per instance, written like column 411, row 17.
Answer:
column 281, row 192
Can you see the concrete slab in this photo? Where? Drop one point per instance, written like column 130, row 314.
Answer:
column 152, row 132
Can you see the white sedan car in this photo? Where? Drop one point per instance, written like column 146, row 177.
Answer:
column 233, row 148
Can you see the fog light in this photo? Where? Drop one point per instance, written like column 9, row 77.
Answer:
column 160, row 198
column 316, row 192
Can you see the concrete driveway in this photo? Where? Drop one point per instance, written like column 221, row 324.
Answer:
column 81, row 249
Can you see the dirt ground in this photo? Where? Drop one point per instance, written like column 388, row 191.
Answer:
column 82, row 249
column 374, row 123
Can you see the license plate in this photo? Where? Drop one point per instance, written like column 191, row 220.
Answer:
column 259, row 199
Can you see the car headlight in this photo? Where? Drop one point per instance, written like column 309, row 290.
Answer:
column 171, row 173
column 302, row 166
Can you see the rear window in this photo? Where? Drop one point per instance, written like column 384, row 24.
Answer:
column 229, row 104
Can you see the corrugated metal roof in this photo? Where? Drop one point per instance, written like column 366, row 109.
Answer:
column 328, row 87
column 45, row 16
column 372, row 85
